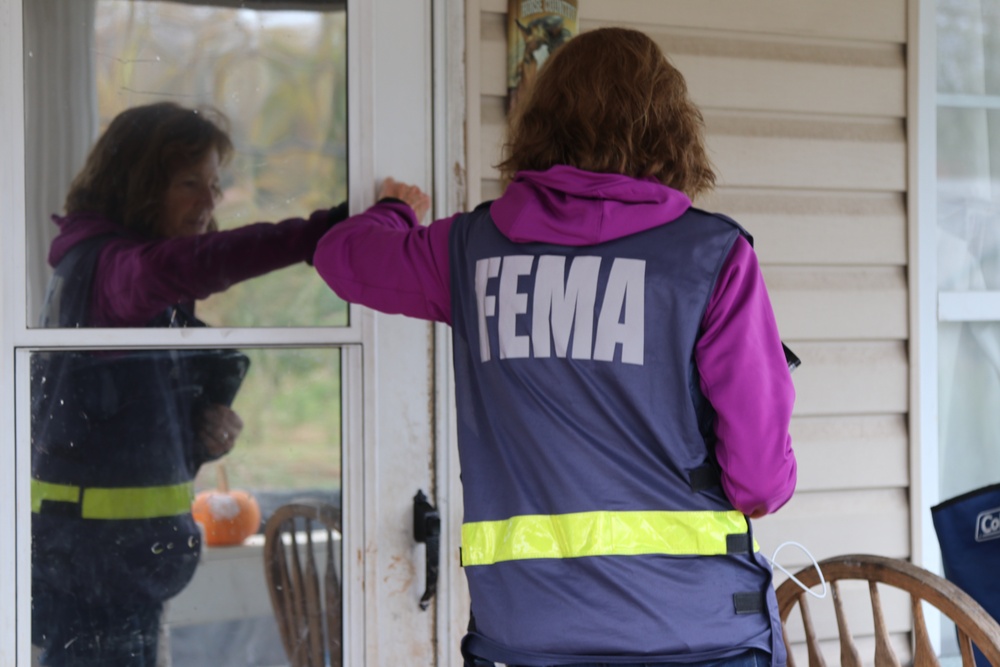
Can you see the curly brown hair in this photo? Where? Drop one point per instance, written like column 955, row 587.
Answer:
column 130, row 166
column 610, row 101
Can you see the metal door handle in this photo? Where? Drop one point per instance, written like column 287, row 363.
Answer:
column 427, row 529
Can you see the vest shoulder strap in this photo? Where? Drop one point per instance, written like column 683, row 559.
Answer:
column 67, row 297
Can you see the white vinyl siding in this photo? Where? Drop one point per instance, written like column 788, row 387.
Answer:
column 805, row 106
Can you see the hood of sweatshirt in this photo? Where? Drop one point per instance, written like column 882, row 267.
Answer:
column 568, row 206
column 79, row 227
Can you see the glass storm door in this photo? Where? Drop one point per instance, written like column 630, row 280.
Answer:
column 339, row 405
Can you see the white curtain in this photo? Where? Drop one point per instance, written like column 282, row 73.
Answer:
column 61, row 121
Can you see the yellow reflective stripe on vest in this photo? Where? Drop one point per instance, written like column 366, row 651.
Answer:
column 600, row 534
column 141, row 502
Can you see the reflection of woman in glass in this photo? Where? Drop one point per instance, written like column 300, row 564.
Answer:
column 118, row 437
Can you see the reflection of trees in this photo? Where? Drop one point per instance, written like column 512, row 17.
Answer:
column 292, row 421
column 280, row 77
column 282, row 82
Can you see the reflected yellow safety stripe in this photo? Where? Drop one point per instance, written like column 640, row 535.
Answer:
column 40, row 491
column 142, row 502
column 600, row 534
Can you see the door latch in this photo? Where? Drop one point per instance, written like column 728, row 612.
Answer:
column 427, row 529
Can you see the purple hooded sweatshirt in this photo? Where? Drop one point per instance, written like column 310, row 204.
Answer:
column 384, row 259
column 138, row 278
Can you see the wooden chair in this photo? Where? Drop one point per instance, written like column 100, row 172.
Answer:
column 305, row 594
column 974, row 625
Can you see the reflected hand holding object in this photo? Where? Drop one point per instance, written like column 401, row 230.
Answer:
column 417, row 199
column 219, row 427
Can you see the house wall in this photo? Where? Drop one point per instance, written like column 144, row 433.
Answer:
column 805, row 106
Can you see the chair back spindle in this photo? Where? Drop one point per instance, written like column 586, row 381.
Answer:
column 849, row 654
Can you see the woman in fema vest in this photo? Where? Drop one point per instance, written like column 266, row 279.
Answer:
column 623, row 397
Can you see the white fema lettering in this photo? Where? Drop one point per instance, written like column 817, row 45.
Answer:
column 563, row 306
column 988, row 525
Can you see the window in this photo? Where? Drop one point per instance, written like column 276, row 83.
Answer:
column 968, row 242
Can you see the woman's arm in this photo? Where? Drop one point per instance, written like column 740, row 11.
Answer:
column 746, row 379
column 134, row 281
column 384, row 259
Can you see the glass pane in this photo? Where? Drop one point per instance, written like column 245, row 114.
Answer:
column 968, row 34
column 968, row 199
column 273, row 80
column 122, row 563
column 969, row 392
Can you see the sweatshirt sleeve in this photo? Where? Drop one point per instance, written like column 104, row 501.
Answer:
column 134, row 281
column 746, row 379
column 384, row 259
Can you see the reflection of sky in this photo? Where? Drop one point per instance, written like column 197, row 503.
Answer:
column 304, row 23
column 109, row 11
column 177, row 33
column 277, row 19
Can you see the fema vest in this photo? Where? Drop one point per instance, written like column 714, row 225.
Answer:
column 595, row 525
column 113, row 456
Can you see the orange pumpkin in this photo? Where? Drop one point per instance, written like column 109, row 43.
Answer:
column 228, row 516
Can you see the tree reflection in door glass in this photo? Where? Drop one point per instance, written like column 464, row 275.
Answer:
column 280, row 77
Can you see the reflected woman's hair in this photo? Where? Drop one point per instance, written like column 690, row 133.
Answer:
column 129, row 168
